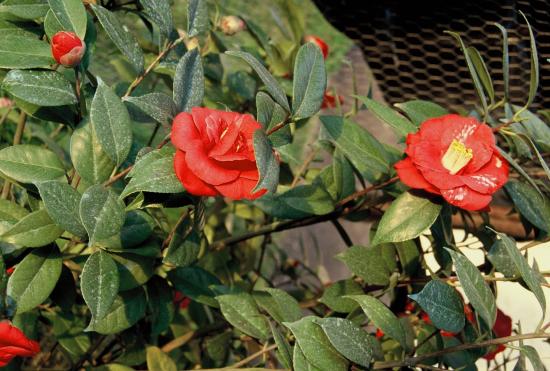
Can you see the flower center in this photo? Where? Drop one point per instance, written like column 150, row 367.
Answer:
column 456, row 157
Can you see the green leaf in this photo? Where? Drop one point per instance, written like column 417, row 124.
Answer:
column 297, row 202
column 406, row 218
column 270, row 114
column 365, row 153
column 158, row 360
column 197, row 17
column 284, row 350
column 270, row 82
column 534, row 80
column 99, row 283
column 195, row 283
column 241, row 311
column 349, row 339
column 527, row 273
column 61, row 202
column 34, row 278
column 71, row 15
column 20, row 28
column 299, row 361
column 68, row 331
column 382, row 317
column 531, row 353
column 419, row 111
column 160, row 13
column 42, row 88
column 399, row 123
column 278, row 304
column 505, row 62
column 373, row 264
column 443, row 304
column 334, row 296
column 138, row 227
column 28, row 163
column 475, row 288
column 34, row 230
column 482, row 72
column 310, row 81
column 189, row 81
column 157, row 176
column 501, row 260
column 10, row 214
column 183, row 250
column 160, row 304
column 51, row 24
column 268, row 166
column 315, row 345
column 101, row 212
column 529, row 202
column 111, row 123
column 88, row 157
column 133, row 270
column 121, row 37
column 25, row 9
column 127, row 309
column 159, row 106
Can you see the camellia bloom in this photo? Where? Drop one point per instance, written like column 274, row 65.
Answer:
column 67, row 48
column 231, row 24
column 455, row 157
column 215, row 153
column 14, row 343
column 502, row 328
column 319, row 42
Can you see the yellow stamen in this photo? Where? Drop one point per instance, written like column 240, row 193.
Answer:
column 456, row 157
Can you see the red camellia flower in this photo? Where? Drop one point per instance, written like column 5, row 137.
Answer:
column 215, row 153
column 9, row 271
column 502, row 328
column 319, row 42
column 13, row 343
column 329, row 100
column 67, row 48
column 455, row 157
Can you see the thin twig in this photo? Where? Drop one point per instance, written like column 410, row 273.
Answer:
column 303, row 168
column 252, row 357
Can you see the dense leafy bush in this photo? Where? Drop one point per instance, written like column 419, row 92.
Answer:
column 148, row 170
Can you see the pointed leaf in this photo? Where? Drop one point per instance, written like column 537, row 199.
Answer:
column 160, row 13
column 419, row 111
column 399, row 123
column 268, row 166
column 71, row 15
column 310, row 81
column 241, row 311
column 24, row 51
column 34, row 230
column 99, row 283
column 43, row 88
column 197, row 17
column 29, row 163
column 128, row 308
column 159, row 106
column 189, row 81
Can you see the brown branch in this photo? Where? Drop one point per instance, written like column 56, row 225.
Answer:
column 187, row 337
column 365, row 191
column 252, row 357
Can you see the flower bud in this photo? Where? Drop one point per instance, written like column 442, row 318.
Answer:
column 67, row 48
column 319, row 42
column 231, row 24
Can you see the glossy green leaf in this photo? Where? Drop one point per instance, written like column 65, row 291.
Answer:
column 299, row 361
column 157, row 176
column 88, row 157
column 133, row 270
column 315, row 345
column 406, row 218
column 99, row 283
column 160, row 304
column 34, row 230
column 501, row 260
column 279, row 304
column 310, row 81
column 197, row 17
column 241, row 311
column 272, row 86
column 373, row 264
column 25, row 9
column 121, row 37
column 297, row 202
column 159, row 106
column 419, row 111
column 42, row 88
column 61, row 202
column 334, row 296
column 34, row 278
column 160, row 13
column 284, row 350
column 482, row 72
column 476, row 289
column 529, row 202
column 533, row 356
column 382, row 317
column 68, row 331
column 138, row 227
column 158, row 360
column 505, row 61
column 183, row 250
column 111, row 123
column 443, row 304
column 268, row 166
column 534, row 79
column 271, row 114
column 20, row 28
column 400, row 124
column 71, row 14
column 195, row 283
column 527, row 273
column 51, row 24
column 127, row 309
column 10, row 214
column 189, row 81
column 101, row 212
column 29, row 163
column 349, row 339
column 365, row 153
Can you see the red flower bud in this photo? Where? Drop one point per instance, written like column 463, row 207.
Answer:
column 13, row 343
column 319, row 42
column 329, row 100
column 379, row 333
column 231, row 24
column 67, row 48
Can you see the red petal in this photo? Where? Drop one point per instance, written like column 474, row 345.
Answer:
column 490, row 178
column 240, row 188
column 409, row 175
column 503, row 324
column 209, row 170
column 184, row 134
column 482, row 143
column 457, row 127
column 228, row 139
column 466, row 198
column 427, row 156
column 193, row 184
column 14, row 342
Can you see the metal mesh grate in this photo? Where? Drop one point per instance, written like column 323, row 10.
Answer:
column 412, row 58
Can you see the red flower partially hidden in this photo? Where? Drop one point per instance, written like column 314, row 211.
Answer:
column 67, row 49
column 502, row 328
column 215, row 153
column 14, row 343
column 329, row 100
column 455, row 157
column 181, row 300
column 319, row 42
column 10, row 271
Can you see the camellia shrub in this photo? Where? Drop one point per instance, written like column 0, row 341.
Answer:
column 151, row 162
